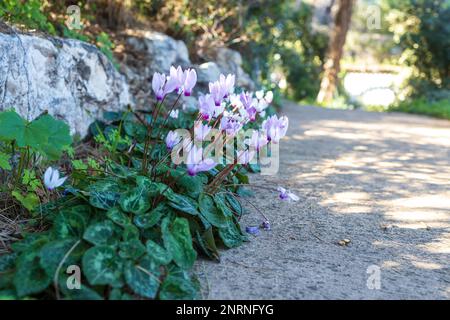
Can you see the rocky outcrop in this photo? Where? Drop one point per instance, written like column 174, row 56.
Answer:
column 145, row 52
column 230, row 61
column 75, row 82
column 71, row 79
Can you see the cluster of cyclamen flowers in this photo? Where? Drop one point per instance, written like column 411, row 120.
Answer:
column 221, row 109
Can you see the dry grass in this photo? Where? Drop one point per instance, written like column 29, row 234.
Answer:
column 12, row 219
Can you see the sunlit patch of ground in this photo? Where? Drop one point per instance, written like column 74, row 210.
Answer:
column 381, row 181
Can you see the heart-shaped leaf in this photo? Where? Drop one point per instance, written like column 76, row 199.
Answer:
column 102, row 266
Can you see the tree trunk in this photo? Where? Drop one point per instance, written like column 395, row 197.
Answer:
column 335, row 49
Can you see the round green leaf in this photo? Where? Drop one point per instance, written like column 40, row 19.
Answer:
column 101, row 266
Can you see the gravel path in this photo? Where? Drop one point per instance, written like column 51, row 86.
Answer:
column 380, row 180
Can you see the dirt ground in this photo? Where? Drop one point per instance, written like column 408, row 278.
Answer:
column 380, row 180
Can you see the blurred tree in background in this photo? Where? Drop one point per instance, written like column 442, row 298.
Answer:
column 421, row 28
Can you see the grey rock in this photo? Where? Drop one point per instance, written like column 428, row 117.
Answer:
column 230, row 61
column 70, row 79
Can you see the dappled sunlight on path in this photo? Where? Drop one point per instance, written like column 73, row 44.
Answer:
column 380, row 180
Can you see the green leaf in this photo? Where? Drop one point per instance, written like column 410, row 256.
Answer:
column 45, row 134
column 12, row 127
column 118, row 216
column 143, row 278
column 31, row 241
column 131, row 249
column 222, row 205
column 57, row 136
column 136, row 201
column 104, row 194
column 29, row 201
column 4, row 161
column 231, row 234
column 193, row 186
column 84, row 293
column 207, row 243
column 182, row 203
column 30, row 278
column 178, row 241
column 102, row 233
column 178, row 288
column 235, row 204
column 210, row 212
column 242, row 178
column 101, row 266
column 158, row 253
column 149, row 219
column 71, row 222
column 7, row 261
column 130, row 232
column 53, row 253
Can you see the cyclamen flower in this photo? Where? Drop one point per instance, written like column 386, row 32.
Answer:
column 266, row 225
column 201, row 131
column 235, row 101
column 275, row 128
column 206, row 107
column 217, row 92
column 174, row 114
column 252, row 230
column 177, row 76
column 184, row 81
column 287, row 195
column 52, row 179
column 162, row 86
column 249, row 105
column 227, row 84
column 257, row 140
column 230, row 125
column 172, row 139
column 244, row 157
column 189, row 82
column 195, row 162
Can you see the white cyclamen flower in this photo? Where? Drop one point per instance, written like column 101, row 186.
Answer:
column 174, row 114
column 52, row 179
column 287, row 195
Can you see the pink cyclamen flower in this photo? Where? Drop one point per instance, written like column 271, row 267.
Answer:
column 172, row 139
column 244, row 157
column 189, row 82
column 195, row 162
column 52, row 179
column 230, row 125
column 201, row 131
column 249, row 105
column 246, row 99
column 217, row 92
column 162, row 86
column 206, row 106
column 257, row 140
column 287, row 195
column 227, row 84
column 177, row 76
column 275, row 128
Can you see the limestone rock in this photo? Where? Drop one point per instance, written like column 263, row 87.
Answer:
column 70, row 79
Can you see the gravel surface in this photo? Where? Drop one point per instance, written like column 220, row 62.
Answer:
column 380, row 180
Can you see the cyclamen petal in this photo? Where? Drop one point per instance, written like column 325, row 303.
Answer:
column 201, row 131
column 52, row 179
column 206, row 106
column 189, row 83
column 172, row 139
column 195, row 162
column 287, row 195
